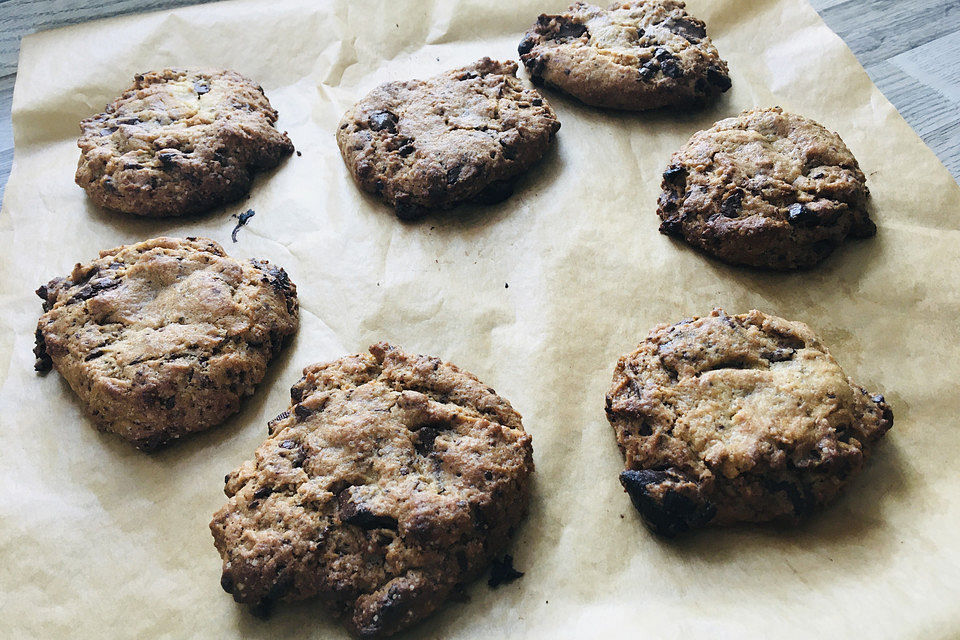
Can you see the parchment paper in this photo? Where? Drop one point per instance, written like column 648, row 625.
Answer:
column 98, row 540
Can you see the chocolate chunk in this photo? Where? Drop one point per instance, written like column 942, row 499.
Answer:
column 302, row 412
column 671, row 227
column 166, row 158
column 262, row 493
column 425, row 439
column 288, row 444
column 731, row 205
column 241, row 220
column 689, row 29
column 526, row 45
column 675, row 175
column 800, row 215
column 779, row 355
column 645, row 73
column 94, row 288
column 201, row 87
column 671, row 68
column 569, row 30
column 535, row 66
column 468, row 75
column 383, row 120
column 716, row 77
column 502, row 572
column 277, row 278
column 43, row 362
column 406, row 150
column 453, row 173
column 360, row 515
column 226, row 582
column 48, row 292
column 675, row 513
column 662, row 54
column 272, row 424
column 537, row 102
column 878, row 399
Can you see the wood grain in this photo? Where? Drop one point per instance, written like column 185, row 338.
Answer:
column 910, row 48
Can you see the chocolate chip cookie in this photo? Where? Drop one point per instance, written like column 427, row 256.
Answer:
column 459, row 136
column 633, row 55
column 391, row 480
column 745, row 418
column 179, row 142
column 164, row 337
column 765, row 189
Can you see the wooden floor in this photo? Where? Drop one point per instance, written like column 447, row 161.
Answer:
column 911, row 49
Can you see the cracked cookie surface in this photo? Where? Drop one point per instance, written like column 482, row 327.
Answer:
column 632, row 55
column 746, row 418
column 766, row 189
column 164, row 337
column 390, row 481
column 179, row 142
column 464, row 135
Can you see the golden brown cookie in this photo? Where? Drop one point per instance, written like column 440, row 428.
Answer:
column 463, row 135
column 179, row 142
column 746, row 418
column 633, row 55
column 390, row 481
column 164, row 337
column 765, row 189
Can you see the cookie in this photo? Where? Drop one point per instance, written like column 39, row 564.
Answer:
column 462, row 135
column 164, row 337
column 389, row 482
column 633, row 55
column 747, row 418
column 179, row 142
column 766, row 189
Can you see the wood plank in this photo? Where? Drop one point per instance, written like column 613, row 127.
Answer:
column 20, row 17
column 935, row 64
column 6, row 130
column 877, row 30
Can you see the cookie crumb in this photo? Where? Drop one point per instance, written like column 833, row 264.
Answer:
column 506, row 285
column 241, row 221
column 502, row 572
column 299, row 154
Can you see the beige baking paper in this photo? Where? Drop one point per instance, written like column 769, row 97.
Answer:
column 100, row 541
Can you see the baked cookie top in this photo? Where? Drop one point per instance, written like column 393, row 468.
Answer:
column 633, row 55
column 462, row 135
column 389, row 481
column 179, row 142
column 744, row 418
column 766, row 189
column 164, row 337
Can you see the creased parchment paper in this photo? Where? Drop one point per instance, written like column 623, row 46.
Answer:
column 100, row 541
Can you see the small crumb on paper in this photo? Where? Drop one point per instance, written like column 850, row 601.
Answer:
column 241, row 221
